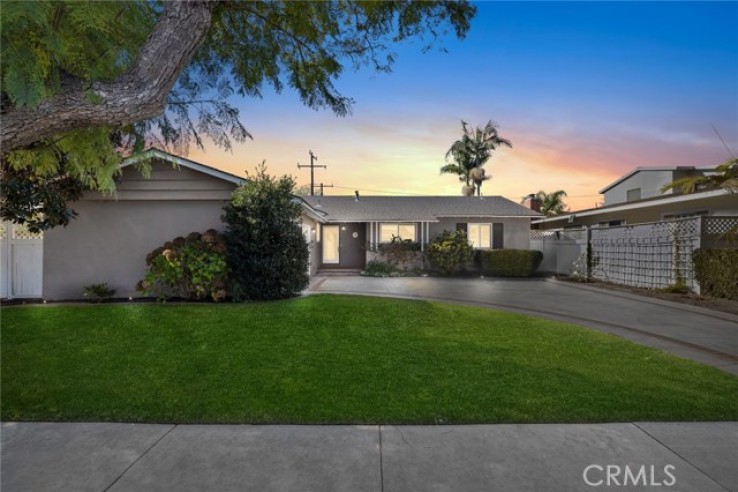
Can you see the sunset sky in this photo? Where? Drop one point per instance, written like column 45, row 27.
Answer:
column 585, row 92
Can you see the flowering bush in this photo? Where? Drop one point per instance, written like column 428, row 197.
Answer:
column 192, row 267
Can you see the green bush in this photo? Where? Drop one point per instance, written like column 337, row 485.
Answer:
column 98, row 292
column 267, row 251
column 717, row 272
column 191, row 268
column 449, row 252
column 510, row 262
column 376, row 268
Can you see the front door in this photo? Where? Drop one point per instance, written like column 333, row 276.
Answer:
column 331, row 244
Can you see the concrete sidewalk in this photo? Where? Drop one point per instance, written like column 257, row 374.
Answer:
column 538, row 457
column 709, row 337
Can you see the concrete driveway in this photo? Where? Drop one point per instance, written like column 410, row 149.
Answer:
column 706, row 336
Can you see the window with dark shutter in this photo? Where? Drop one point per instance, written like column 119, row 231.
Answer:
column 498, row 235
column 461, row 226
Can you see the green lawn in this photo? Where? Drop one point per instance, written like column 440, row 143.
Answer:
column 338, row 359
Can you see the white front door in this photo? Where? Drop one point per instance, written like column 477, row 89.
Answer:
column 330, row 244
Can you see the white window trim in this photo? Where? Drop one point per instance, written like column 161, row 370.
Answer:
column 480, row 224
column 397, row 228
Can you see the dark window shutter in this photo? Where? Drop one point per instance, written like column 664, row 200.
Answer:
column 461, row 226
column 498, row 236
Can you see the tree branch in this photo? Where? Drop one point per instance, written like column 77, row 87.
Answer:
column 138, row 94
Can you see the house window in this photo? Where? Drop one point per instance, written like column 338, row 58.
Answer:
column 633, row 195
column 480, row 235
column 403, row 231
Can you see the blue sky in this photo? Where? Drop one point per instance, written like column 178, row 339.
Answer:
column 585, row 91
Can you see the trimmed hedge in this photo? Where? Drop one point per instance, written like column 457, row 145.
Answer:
column 510, row 262
column 717, row 272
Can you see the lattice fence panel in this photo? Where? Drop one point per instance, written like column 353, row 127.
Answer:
column 719, row 225
column 646, row 255
column 562, row 235
column 20, row 231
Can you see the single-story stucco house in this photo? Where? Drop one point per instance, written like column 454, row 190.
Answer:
column 346, row 229
column 109, row 240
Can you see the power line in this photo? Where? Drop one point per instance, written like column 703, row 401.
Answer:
column 389, row 192
column 723, row 141
column 394, row 192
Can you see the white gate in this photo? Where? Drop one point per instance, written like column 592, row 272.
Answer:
column 560, row 249
column 21, row 262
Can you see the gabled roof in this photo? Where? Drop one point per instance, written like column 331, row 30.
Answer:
column 183, row 162
column 647, row 169
column 413, row 208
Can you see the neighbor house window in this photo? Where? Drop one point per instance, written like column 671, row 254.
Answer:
column 684, row 215
column 480, row 235
column 611, row 223
column 633, row 195
column 403, row 231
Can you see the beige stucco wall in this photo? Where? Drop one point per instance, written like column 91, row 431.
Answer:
column 109, row 242
column 516, row 230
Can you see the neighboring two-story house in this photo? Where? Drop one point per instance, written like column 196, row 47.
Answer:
column 636, row 198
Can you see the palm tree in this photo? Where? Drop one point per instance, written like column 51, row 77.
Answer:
column 552, row 203
column 725, row 176
column 471, row 152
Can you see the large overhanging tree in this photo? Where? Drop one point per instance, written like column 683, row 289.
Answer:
column 84, row 84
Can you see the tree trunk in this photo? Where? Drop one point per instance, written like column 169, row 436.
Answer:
column 136, row 95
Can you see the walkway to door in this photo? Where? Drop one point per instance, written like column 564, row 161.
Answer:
column 699, row 334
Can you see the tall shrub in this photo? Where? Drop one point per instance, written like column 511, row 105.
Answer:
column 717, row 272
column 267, row 252
column 449, row 252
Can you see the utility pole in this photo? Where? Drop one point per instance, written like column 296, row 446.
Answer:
column 312, row 167
column 324, row 186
